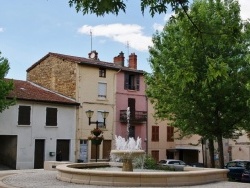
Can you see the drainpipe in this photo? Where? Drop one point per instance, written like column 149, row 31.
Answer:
column 147, row 125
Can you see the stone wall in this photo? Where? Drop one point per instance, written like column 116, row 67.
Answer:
column 55, row 74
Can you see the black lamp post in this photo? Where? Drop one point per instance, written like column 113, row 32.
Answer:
column 89, row 114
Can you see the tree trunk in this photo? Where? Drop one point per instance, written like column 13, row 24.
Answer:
column 221, row 153
column 211, row 152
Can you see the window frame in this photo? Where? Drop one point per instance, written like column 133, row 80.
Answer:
column 131, row 81
column 51, row 116
column 102, row 92
column 24, row 115
column 102, row 72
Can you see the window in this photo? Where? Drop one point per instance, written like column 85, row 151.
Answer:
column 51, row 116
column 132, row 82
column 102, row 90
column 100, row 119
column 155, row 133
column 24, row 115
column 102, row 72
column 170, row 134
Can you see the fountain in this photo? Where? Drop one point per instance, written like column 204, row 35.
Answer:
column 126, row 151
column 91, row 174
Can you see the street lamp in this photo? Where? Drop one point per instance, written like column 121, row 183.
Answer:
column 89, row 114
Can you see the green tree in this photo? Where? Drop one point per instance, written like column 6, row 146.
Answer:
column 102, row 7
column 6, row 86
column 200, row 75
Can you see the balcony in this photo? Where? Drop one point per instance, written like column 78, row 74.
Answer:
column 136, row 117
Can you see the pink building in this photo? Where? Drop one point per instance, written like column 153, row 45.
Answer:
column 130, row 92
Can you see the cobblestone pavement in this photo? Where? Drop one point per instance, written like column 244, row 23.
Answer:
column 47, row 179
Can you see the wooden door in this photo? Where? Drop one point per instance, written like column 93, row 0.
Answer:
column 64, row 147
column 39, row 153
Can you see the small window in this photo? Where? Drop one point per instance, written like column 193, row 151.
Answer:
column 102, row 72
column 51, row 116
column 170, row 134
column 24, row 115
column 155, row 133
column 102, row 90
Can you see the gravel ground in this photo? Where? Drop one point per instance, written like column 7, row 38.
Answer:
column 47, row 179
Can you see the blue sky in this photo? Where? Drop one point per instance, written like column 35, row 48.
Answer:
column 29, row 29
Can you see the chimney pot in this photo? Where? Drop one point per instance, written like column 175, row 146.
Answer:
column 119, row 60
column 132, row 61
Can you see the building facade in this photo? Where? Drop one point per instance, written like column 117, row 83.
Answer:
column 130, row 92
column 93, row 84
column 164, row 141
column 37, row 127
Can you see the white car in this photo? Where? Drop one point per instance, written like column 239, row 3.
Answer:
column 175, row 164
column 170, row 162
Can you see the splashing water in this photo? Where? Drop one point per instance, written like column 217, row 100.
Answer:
column 130, row 144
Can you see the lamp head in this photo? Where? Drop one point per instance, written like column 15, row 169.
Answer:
column 105, row 114
column 89, row 113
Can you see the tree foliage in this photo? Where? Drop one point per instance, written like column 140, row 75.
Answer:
column 200, row 77
column 5, row 86
column 102, row 7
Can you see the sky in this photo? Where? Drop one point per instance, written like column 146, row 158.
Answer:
column 30, row 29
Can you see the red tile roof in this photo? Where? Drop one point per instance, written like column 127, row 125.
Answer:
column 86, row 61
column 24, row 90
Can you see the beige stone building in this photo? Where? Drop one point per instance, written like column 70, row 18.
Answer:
column 163, row 142
column 91, row 83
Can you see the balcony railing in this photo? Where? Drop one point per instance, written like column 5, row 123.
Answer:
column 136, row 117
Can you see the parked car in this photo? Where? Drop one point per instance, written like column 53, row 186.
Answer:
column 246, row 174
column 176, row 164
column 236, row 169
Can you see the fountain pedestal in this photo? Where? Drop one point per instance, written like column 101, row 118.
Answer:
column 127, row 156
column 127, row 165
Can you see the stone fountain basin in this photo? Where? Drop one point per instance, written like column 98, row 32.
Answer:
column 127, row 153
column 190, row 176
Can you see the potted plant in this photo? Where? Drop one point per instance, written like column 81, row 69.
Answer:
column 96, row 136
column 96, row 131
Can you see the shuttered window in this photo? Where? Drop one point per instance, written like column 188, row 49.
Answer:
column 51, row 116
column 155, row 133
column 170, row 134
column 102, row 90
column 24, row 115
column 131, row 81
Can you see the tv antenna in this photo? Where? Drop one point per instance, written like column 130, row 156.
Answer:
column 90, row 40
column 127, row 50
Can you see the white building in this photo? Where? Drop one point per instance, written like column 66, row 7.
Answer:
column 37, row 127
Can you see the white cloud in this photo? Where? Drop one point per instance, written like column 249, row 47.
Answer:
column 158, row 27
column 1, row 29
column 123, row 33
column 244, row 7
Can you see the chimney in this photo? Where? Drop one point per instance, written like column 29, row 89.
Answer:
column 93, row 55
column 132, row 61
column 119, row 60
